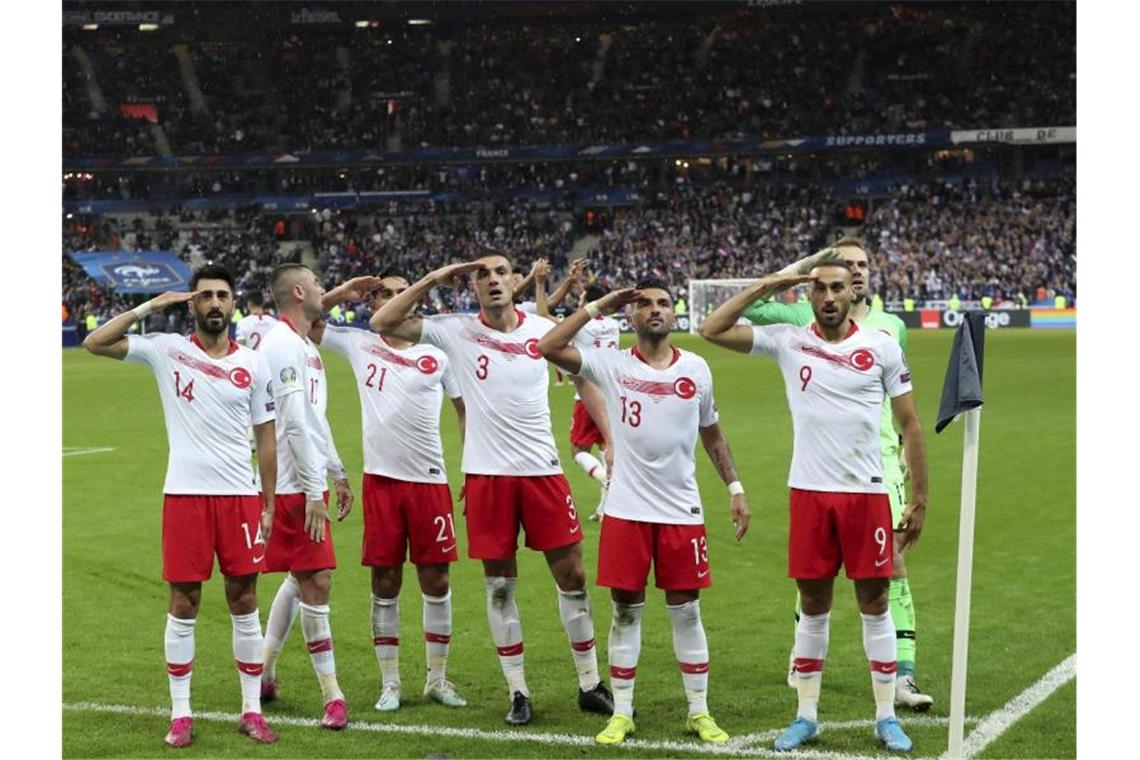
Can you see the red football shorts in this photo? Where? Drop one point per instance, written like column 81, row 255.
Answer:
column 829, row 529
column 583, row 431
column 679, row 553
column 398, row 513
column 496, row 505
column 290, row 548
column 194, row 528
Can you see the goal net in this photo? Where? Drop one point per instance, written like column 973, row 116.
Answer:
column 707, row 295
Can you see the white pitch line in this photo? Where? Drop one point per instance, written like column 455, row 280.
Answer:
column 998, row 722
column 71, row 451
column 737, row 747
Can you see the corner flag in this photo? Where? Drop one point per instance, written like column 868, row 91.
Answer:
column 962, row 392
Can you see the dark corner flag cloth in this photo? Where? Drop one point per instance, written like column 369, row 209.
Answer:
column 962, row 389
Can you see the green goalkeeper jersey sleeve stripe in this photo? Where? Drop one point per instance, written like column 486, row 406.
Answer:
column 893, row 326
column 772, row 313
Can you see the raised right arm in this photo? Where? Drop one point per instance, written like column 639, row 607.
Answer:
column 396, row 320
column 720, row 327
column 110, row 339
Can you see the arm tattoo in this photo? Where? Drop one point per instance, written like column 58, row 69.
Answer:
column 722, row 459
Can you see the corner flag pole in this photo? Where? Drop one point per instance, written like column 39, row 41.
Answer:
column 962, row 393
column 965, row 575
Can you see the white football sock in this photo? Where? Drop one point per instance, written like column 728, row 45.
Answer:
column 506, row 630
column 282, row 613
column 591, row 466
column 386, row 638
column 318, row 638
column 812, row 632
column 179, row 645
column 692, row 651
column 437, row 634
column 880, row 644
column 574, row 609
column 247, row 647
column 624, row 651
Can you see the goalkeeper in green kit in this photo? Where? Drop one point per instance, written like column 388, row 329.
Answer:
column 764, row 312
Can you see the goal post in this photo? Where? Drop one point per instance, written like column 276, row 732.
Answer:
column 707, row 295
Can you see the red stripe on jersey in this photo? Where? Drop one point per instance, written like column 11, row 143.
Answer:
column 529, row 348
column 321, row 645
column 207, row 369
column 627, row 674
column 250, row 668
column 582, row 646
column 884, row 667
column 389, row 356
column 386, row 641
column 694, row 667
column 179, row 670
column 437, row 638
column 683, row 387
column 808, row 665
column 511, row 650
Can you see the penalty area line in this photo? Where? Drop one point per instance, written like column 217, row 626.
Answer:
column 734, row 748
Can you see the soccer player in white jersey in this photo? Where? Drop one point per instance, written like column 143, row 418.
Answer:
column 539, row 271
column 835, row 375
column 658, row 399
column 589, row 425
column 252, row 327
column 513, row 477
column 301, row 543
column 407, row 504
column 212, row 390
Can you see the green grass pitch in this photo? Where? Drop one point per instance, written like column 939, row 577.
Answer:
column 1024, row 598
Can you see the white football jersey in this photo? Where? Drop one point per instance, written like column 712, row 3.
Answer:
column 209, row 405
column 599, row 332
column 504, row 381
column 654, row 417
column 251, row 329
column 528, row 307
column 400, row 394
column 835, row 392
column 296, row 367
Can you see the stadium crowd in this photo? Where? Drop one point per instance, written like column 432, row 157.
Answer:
column 882, row 68
column 932, row 239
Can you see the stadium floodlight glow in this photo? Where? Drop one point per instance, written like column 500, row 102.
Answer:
column 148, row 27
column 90, row 27
column 362, row 24
column 419, row 22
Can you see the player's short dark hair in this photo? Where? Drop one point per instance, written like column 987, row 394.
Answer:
column 211, row 272
column 492, row 252
column 255, row 298
column 594, row 292
column 392, row 272
column 656, row 284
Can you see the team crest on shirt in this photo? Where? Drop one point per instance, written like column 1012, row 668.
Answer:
column 684, row 387
column 240, row 377
column 861, row 359
column 427, row 364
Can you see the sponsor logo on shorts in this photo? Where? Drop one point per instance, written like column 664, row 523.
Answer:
column 702, row 574
column 881, row 562
column 447, row 548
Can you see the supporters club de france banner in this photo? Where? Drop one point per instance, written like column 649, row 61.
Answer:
column 136, row 271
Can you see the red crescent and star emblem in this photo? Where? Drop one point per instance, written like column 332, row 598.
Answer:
column 862, row 360
column 684, row 387
column 240, row 377
column 531, row 347
column 427, row 364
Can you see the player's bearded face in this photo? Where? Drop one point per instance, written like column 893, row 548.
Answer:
column 831, row 295
column 213, row 306
column 311, row 302
column 653, row 314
